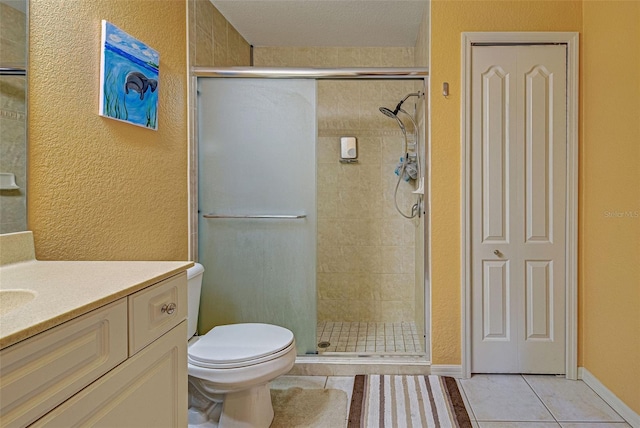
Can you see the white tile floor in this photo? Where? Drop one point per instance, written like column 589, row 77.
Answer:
column 371, row 338
column 535, row 401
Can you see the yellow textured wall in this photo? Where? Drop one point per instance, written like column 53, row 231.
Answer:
column 610, row 197
column 100, row 189
column 448, row 20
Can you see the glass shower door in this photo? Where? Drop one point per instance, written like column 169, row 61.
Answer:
column 257, row 204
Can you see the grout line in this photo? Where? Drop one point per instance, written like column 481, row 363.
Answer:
column 465, row 399
column 540, row 399
column 382, row 337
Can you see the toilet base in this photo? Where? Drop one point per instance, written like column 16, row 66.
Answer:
column 249, row 408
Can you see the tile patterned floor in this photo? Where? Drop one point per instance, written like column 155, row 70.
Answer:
column 506, row 401
column 500, row 401
column 371, row 338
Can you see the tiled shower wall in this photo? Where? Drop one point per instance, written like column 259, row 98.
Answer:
column 213, row 41
column 366, row 257
column 366, row 261
column 13, row 119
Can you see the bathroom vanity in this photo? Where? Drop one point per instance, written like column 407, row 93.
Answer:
column 93, row 343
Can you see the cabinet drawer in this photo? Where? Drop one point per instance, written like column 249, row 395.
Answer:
column 156, row 310
column 149, row 390
column 41, row 372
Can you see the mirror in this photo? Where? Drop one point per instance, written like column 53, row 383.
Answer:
column 13, row 115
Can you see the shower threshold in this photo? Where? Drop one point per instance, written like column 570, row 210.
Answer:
column 346, row 364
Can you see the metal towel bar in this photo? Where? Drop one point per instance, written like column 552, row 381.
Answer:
column 276, row 216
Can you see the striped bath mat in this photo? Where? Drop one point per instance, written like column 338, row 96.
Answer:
column 406, row 401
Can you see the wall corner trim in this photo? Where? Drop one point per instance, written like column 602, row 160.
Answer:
column 609, row 397
column 447, row 370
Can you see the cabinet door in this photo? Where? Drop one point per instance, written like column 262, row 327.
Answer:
column 148, row 390
column 43, row 371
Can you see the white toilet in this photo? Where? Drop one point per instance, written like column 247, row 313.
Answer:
column 231, row 366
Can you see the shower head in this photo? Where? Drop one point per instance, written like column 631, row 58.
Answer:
column 387, row 112
column 393, row 115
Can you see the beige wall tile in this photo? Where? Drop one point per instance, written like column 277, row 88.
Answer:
column 391, row 259
column 304, row 57
column 369, row 150
column 327, row 203
column 326, row 310
column 204, row 16
column 393, row 310
column 333, row 57
column 327, row 57
column 328, row 150
column 392, row 232
column 397, row 287
column 357, row 232
column 220, row 55
column 371, row 57
column 328, row 234
column 332, row 259
column 370, row 235
column 204, row 49
column 220, row 25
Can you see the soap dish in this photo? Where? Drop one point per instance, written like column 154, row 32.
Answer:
column 8, row 181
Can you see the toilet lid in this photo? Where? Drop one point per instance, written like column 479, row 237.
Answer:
column 239, row 343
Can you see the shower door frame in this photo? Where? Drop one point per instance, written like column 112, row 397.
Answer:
column 382, row 73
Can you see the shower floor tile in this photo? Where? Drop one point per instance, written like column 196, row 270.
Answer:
column 371, row 337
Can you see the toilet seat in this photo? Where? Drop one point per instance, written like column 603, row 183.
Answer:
column 240, row 345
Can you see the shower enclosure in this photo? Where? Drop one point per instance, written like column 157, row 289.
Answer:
column 290, row 235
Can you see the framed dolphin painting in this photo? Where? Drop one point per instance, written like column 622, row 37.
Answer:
column 129, row 78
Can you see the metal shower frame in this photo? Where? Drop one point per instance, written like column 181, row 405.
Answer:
column 414, row 73
column 370, row 73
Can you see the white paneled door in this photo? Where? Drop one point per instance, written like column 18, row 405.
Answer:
column 518, row 204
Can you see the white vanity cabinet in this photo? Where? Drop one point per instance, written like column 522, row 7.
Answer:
column 148, row 390
column 121, row 365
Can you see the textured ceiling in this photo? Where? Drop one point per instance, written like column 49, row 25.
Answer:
column 325, row 22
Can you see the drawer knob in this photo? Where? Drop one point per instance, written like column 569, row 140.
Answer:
column 168, row 308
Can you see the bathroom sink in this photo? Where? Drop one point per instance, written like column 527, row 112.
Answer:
column 13, row 299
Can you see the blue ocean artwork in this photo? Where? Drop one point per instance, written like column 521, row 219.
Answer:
column 129, row 78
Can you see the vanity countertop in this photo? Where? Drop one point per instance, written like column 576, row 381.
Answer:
column 67, row 289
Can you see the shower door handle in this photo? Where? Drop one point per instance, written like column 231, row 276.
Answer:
column 259, row 216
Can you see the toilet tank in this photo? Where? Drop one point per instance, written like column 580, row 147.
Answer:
column 194, row 285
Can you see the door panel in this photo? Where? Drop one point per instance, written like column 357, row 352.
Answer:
column 495, row 164
column 493, row 194
column 496, row 301
column 539, row 304
column 518, row 208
